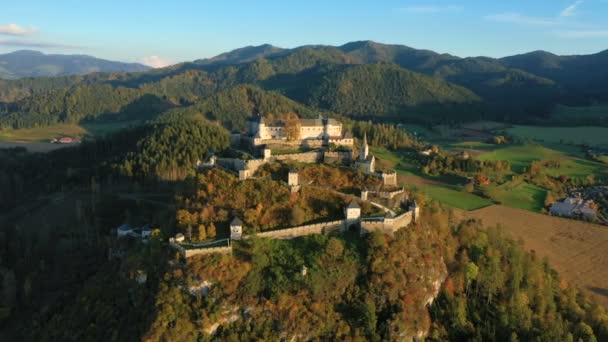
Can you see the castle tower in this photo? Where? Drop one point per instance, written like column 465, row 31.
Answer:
column 262, row 131
column 236, row 229
column 292, row 180
column 389, row 178
column 267, row 153
column 352, row 214
column 415, row 211
column 364, row 193
column 244, row 174
column 364, row 149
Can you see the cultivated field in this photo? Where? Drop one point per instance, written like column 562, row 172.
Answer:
column 576, row 249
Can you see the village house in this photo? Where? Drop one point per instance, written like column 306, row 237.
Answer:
column 574, row 207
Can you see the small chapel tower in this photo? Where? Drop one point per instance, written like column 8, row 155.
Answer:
column 364, row 149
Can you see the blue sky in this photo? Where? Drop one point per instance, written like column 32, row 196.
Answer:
column 160, row 32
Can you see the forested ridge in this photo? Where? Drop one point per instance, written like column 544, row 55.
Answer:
column 357, row 79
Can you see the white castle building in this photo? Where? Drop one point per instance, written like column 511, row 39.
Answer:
column 321, row 129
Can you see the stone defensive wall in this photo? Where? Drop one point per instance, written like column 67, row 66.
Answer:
column 316, row 228
column 239, row 164
column 338, row 157
column 386, row 224
column 236, row 164
column 187, row 253
column 202, row 251
column 387, row 194
column 304, row 157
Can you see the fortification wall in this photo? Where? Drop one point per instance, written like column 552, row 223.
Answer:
column 387, row 225
column 370, row 226
column 387, row 194
column 202, row 251
column 337, row 157
column 238, row 164
column 254, row 164
column 282, row 143
column 231, row 163
column 317, row 228
column 402, row 220
column 306, row 157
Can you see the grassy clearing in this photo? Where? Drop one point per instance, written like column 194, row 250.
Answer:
column 454, row 198
column 520, row 156
column 43, row 133
column 47, row 133
column 590, row 135
column 578, row 168
column 524, row 196
column 442, row 189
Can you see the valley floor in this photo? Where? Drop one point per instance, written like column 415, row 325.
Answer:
column 576, row 249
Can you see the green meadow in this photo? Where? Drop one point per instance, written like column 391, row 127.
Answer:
column 589, row 135
column 523, row 195
column 454, row 197
column 520, row 156
column 47, row 133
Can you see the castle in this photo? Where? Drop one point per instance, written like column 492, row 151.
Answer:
column 311, row 132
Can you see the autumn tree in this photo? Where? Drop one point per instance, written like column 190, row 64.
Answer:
column 292, row 126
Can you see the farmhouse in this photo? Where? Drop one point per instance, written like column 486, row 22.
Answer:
column 574, row 207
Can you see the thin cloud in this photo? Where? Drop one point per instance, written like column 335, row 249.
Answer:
column 583, row 34
column 13, row 29
column 520, row 19
column 571, row 10
column 430, row 9
column 36, row 44
column 155, row 61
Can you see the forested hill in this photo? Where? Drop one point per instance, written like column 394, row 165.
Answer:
column 27, row 63
column 359, row 79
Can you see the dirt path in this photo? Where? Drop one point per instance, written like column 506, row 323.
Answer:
column 578, row 250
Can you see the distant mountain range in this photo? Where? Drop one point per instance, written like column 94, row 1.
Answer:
column 26, row 63
column 364, row 80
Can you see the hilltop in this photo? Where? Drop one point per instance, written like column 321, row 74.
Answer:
column 27, row 63
column 363, row 79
